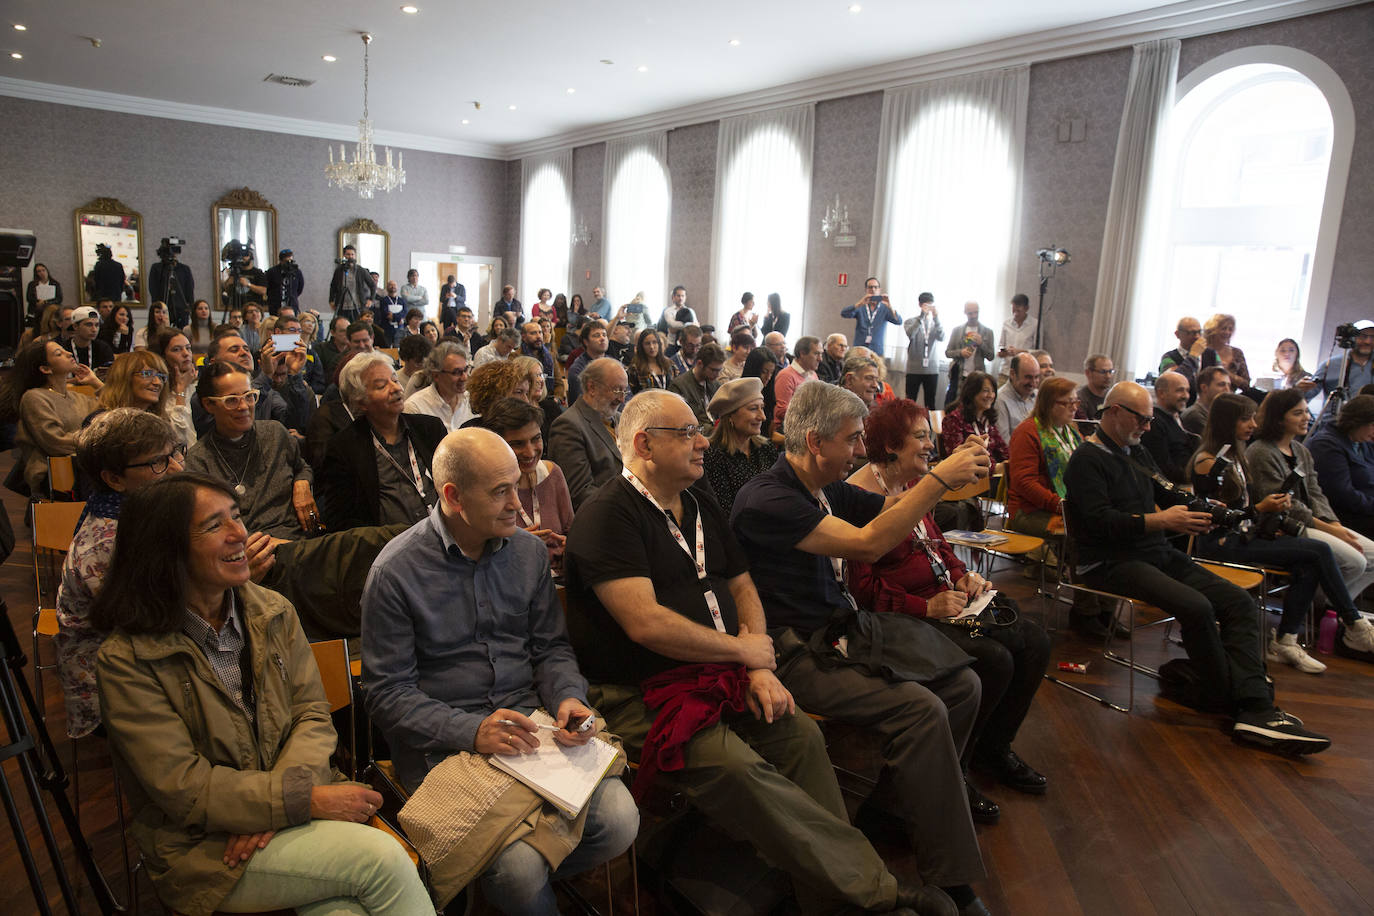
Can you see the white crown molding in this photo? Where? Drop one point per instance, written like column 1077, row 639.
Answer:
column 228, row 117
column 1179, row 20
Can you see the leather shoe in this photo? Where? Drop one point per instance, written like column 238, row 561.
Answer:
column 983, row 809
column 1011, row 771
column 928, row 900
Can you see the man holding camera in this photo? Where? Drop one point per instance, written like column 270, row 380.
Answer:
column 1361, row 369
column 872, row 314
column 285, row 283
column 352, row 287
column 180, row 292
column 244, row 283
column 1121, row 547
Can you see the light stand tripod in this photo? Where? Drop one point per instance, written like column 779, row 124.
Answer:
column 39, row 768
column 1054, row 258
column 175, row 317
column 1341, row 393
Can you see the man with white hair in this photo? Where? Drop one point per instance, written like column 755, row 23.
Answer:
column 463, row 639
column 775, row 341
column 659, row 596
column 831, row 366
column 501, row 347
column 582, row 439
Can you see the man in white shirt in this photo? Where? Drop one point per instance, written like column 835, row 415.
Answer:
column 677, row 315
column 1018, row 332
column 1016, row 399
column 501, row 347
column 446, row 397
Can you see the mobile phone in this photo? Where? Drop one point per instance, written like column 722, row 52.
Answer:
column 634, row 309
column 876, row 300
column 285, row 343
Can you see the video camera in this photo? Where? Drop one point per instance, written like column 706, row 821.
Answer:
column 351, row 262
column 235, row 251
column 1346, row 334
column 170, row 247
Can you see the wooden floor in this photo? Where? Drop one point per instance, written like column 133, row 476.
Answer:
column 1156, row 812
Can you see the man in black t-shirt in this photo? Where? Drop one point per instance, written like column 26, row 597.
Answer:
column 799, row 523
column 638, row 607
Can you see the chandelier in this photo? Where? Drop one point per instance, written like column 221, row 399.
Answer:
column 836, row 219
column 363, row 171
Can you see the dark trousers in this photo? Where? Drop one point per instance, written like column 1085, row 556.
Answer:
column 1010, row 662
column 1219, row 620
column 925, row 384
column 956, row 377
column 1308, row 562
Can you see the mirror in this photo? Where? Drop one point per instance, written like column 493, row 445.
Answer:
column 373, row 244
column 247, row 218
column 106, row 223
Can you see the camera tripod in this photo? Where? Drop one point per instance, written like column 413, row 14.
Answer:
column 169, row 283
column 40, row 768
column 1340, row 394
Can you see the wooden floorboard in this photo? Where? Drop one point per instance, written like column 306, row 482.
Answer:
column 1153, row 813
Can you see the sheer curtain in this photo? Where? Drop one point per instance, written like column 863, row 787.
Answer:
column 947, row 208
column 1125, row 289
column 545, row 223
column 763, row 205
column 637, row 198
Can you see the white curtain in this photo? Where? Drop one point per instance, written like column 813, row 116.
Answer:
column 762, row 212
column 1124, row 283
column 946, row 216
column 545, row 224
column 636, row 201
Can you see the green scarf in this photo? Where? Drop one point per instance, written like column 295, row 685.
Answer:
column 1057, row 448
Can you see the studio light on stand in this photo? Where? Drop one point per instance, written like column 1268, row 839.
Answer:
column 1051, row 259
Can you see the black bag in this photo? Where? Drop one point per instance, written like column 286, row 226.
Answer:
column 1179, row 681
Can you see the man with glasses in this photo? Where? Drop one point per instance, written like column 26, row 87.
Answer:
column 1120, row 539
column 258, row 459
column 1101, row 375
column 872, row 314
column 582, row 439
column 640, row 607
column 229, row 347
column 699, row 384
column 1181, row 359
column 446, row 397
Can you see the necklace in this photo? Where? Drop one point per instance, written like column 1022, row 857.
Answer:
column 239, row 488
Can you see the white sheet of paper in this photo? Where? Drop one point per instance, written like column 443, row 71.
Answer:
column 975, row 607
column 44, row 291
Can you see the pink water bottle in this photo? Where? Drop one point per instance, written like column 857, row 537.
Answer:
column 1326, row 634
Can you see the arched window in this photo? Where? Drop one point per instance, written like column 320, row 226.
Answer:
column 763, row 202
column 545, row 224
column 1258, row 156
column 638, row 197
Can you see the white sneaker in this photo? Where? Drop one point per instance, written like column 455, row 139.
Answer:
column 1287, row 650
column 1359, row 636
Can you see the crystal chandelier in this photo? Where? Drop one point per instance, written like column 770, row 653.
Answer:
column 364, row 172
column 836, row 219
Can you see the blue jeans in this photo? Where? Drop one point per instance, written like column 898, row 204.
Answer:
column 330, row 868
column 518, row 882
column 1308, row 562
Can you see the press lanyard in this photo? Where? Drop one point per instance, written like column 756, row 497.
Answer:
column 699, row 560
column 836, row 563
column 937, row 563
column 534, row 508
column 418, row 481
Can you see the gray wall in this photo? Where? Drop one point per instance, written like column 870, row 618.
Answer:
column 56, row 158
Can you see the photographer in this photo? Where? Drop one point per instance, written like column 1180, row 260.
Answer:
column 352, row 288
column 107, row 279
column 1269, row 536
column 242, row 282
column 1361, row 369
column 171, row 282
column 285, row 283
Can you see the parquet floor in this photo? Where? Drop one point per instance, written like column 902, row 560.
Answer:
column 1153, row 813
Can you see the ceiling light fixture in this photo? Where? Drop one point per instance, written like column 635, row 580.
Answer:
column 466, row 121
column 364, row 173
column 16, row 55
column 510, row 107
column 571, row 90
column 607, row 61
column 412, row 10
column 642, row 68
column 734, row 42
column 855, row 8
column 20, row 28
column 329, row 57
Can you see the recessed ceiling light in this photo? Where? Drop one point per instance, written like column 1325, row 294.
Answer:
column 329, row 57
column 855, row 8
column 466, row 121
column 607, row 61
column 510, row 107
column 412, row 10
column 642, row 68
column 734, row 42
column 571, row 90
column 16, row 55
column 20, row 28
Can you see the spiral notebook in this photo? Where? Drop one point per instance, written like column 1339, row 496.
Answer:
column 565, row 776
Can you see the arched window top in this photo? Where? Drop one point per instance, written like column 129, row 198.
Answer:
column 546, row 223
column 637, row 198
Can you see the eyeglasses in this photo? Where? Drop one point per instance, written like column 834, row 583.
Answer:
column 159, row 465
column 1141, row 419
column 683, row 432
column 1068, row 402
column 1104, row 371
column 235, row 401
column 871, row 286
column 151, row 373
column 620, row 393
column 456, row 373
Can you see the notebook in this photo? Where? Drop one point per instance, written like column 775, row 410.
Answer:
column 565, row 776
column 975, row 538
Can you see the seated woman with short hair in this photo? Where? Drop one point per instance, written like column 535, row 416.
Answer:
column 492, row 381
column 546, row 509
column 214, row 709
column 924, row 578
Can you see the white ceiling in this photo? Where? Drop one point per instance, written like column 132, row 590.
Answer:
column 428, row 68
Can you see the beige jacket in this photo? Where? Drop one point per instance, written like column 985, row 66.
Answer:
column 196, row 771
column 48, row 424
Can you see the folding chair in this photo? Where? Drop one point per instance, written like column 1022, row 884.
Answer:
column 331, row 657
column 61, row 477
column 54, row 525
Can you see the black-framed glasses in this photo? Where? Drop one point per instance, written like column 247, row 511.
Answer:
column 691, row 431
column 159, row 465
column 1103, row 371
column 151, row 373
column 1141, row 419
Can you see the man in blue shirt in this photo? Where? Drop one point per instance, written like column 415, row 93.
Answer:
column 872, row 314
column 463, row 638
column 601, row 306
column 1361, row 371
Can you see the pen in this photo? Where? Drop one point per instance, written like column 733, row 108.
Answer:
column 552, row 728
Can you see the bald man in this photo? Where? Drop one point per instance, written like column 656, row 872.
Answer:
column 1166, row 440
column 463, row 640
column 1119, row 545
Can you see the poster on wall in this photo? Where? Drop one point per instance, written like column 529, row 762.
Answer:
column 121, row 233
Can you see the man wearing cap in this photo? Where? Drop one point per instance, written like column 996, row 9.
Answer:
column 1361, row 371
column 285, row 282
column 82, row 342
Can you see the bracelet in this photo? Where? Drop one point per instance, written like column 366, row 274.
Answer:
column 939, row 479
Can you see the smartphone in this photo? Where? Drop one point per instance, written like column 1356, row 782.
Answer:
column 876, row 300
column 634, row 309
column 285, row 343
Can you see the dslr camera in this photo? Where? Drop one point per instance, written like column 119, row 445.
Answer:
column 1272, row 524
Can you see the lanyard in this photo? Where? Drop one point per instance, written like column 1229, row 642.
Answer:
column 937, row 563
column 836, row 563
column 525, row 520
column 417, row 480
column 699, row 560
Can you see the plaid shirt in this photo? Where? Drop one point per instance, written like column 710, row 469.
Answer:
column 222, row 650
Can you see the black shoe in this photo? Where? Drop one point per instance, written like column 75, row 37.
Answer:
column 1120, row 631
column 926, row 901
column 1011, row 771
column 1088, row 627
column 1276, row 730
column 983, row 809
